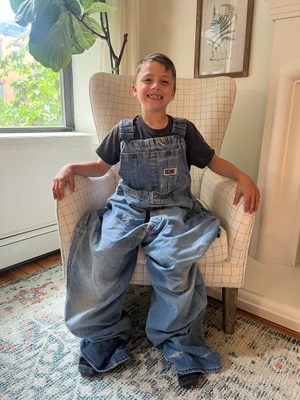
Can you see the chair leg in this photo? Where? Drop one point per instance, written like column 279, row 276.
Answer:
column 229, row 296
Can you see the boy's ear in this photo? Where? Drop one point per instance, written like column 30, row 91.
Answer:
column 133, row 90
column 173, row 94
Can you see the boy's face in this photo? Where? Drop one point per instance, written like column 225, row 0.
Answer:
column 154, row 87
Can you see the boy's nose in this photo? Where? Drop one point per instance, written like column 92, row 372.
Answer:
column 155, row 85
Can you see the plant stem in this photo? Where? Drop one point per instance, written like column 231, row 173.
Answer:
column 115, row 60
column 113, row 57
column 109, row 39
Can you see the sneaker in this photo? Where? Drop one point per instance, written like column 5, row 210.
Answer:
column 85, row 369
column 188, row 380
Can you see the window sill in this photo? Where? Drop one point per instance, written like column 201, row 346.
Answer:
column 46, row 138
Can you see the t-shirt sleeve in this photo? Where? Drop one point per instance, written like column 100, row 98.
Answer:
column 198, row 151
column 109, row 148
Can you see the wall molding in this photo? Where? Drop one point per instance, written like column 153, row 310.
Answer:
column 263, row 307
column 283, row 9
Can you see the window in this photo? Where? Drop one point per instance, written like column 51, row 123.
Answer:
column 32, row 98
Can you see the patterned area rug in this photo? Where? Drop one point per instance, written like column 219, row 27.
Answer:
column 38, row 356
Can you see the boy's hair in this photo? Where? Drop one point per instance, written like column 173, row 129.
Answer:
column 158, row 57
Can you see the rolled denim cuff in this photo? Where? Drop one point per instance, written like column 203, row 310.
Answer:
column 103, row 356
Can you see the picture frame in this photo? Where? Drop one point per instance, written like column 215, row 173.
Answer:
column 223, row 38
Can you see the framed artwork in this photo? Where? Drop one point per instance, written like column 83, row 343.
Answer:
column 223, row 37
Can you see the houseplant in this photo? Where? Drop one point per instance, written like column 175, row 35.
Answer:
column 61, row 28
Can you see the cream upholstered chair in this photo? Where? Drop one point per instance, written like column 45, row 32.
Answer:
column 208, row 104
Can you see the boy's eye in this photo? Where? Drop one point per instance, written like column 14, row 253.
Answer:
column 165, row 82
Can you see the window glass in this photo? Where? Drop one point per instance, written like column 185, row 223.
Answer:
column 31, row 95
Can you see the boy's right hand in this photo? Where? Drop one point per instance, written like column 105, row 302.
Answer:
column 64, row 176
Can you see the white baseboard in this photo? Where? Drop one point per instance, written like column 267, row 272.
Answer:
column 261, row 306
column 24, row 246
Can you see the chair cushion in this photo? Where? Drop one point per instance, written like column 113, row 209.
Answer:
column 218, row 251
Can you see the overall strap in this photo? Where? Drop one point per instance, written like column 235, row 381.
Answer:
column 126, row 129
column 179, row 126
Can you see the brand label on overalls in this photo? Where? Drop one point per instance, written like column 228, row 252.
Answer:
column 170, row 171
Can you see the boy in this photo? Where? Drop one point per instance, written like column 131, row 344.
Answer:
column 153, row 208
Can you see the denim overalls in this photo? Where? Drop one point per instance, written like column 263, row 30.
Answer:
column 152, row 208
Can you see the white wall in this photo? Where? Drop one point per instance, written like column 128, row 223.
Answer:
column 27, row 211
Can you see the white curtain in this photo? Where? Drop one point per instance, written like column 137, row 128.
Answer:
column 124, row 20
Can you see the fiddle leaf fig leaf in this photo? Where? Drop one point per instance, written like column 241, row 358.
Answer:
column 43, row 23
column 92, row 24
column 76, row 48
column 58, row 44
column 99, row 7
column 15, row 4
column 86, row 3
column 82, row 37
column 60, row 28
column 24, row 14
column 52, row 48
column 39, row 54
column 74, row 6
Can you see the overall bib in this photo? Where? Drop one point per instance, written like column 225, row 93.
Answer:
column 152, row 208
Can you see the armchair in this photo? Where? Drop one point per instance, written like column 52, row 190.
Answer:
column 208, row 104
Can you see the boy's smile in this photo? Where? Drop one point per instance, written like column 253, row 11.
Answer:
column 155, row 96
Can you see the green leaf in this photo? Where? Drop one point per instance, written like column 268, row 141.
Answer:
column 43, row 23
column 60, row 28
column 74, row 6
column 39, row 53
column 24, row 14
column 82, row 37
column 76, row 48
column 58, row 44
column 15, row 4
column 99, row 7
column 39, row 30
column 93, row 24
column 86, row 3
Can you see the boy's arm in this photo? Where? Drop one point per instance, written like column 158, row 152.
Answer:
column 66, row 175
column 246, row 187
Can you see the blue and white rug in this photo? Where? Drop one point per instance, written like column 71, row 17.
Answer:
column 39, row 356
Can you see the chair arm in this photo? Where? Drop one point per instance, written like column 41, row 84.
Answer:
column 90, row 194
column 217, row 194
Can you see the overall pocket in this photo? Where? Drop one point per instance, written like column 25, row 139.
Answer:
column 155, row 170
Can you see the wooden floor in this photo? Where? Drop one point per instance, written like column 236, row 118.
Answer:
column 49, row 260
column 29, row 268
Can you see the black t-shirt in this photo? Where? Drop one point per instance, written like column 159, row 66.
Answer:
column 198, row 152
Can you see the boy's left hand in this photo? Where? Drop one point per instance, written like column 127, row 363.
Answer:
column 247, row 188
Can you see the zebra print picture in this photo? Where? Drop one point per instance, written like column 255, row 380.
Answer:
column 223, row 37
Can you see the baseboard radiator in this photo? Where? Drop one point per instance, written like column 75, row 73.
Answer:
column 22, row 246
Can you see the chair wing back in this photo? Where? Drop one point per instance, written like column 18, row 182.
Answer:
column 206, row 102
column 111, row 101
